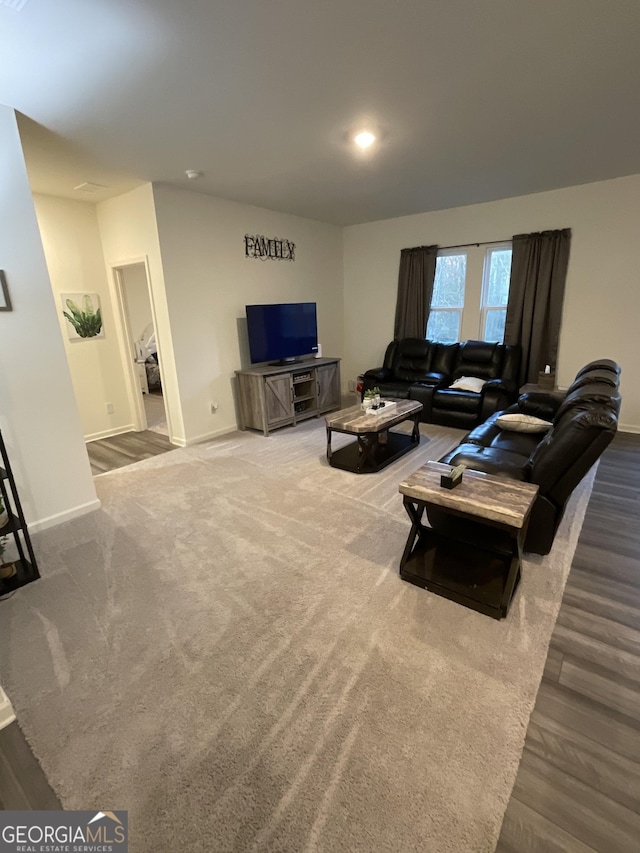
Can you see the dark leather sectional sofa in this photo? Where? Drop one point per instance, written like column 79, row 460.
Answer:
column 584, row 421
column 583, row 425
column 422, row 370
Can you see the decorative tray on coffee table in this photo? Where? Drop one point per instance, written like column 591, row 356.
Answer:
column 389, row 406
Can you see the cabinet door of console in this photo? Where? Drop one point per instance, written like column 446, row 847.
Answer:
column 278, row 398
column 328, row 376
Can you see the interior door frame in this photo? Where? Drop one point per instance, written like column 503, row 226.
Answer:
column 132, row 384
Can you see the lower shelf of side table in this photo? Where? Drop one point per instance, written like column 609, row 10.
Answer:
column 350, row 457
column 472, row 576
column 25, row 573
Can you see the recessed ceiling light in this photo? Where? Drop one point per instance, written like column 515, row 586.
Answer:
column 193, row 174
column 364, row 139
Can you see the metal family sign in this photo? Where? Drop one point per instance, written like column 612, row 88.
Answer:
column 268, row 248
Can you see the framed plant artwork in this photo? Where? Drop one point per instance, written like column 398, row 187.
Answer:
column 82, row 312
column 5, row 299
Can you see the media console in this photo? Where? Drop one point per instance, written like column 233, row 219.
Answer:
column 272, row 396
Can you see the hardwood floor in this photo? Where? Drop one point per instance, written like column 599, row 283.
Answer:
column 22, row 783
column 578, row 786
column 120, row 450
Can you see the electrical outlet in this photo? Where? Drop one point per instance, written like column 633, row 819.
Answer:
column 352, row 385
column 214, row 408
column 109, row 408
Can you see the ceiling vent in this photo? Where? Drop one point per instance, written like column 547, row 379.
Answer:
column 88, row 187
column 16, row 5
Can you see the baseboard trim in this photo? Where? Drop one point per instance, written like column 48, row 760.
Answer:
column 7, row 714
column 108, row 433
column 209, row 436
column 629, row 428
column 61, row 517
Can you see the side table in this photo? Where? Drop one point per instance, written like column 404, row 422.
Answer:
column 472, row 552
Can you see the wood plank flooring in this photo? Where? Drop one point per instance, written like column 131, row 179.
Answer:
column 120, row 450
column 23, row 785
column 578, row 785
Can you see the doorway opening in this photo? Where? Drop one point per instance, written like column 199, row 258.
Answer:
column 142, row 362
column 142, row 347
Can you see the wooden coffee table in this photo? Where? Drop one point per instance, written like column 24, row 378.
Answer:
column 473, row 555
column 375, row 446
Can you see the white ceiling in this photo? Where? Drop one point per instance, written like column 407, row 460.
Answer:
column 473, row 100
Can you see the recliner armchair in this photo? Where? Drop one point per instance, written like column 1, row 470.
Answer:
column 423, row 370
column 584, row 422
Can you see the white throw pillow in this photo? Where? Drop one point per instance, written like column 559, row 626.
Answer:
column 469, row 383
column 523, row 423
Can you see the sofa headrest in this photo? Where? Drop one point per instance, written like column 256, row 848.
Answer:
column 593, row 377
column 478, row 352
column 586, row 397
column 413, row 348
column 478, row 358
column 412, row 360
column 600, row 364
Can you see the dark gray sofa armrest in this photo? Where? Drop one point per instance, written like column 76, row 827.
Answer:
column 490, row 460
column 374, row 377
column 505, row 385
column 539, row 404
column 496, row 395
column 380, row 374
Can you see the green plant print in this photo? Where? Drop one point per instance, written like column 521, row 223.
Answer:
column 86, row 322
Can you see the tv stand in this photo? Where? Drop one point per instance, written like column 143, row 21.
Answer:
column 276, row 395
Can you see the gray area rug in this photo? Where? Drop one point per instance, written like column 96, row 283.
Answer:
column 226, row 650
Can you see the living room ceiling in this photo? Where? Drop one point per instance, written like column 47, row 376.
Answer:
column 471, row 101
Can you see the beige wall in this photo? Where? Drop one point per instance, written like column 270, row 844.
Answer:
column 38, row 413
column 129, row 235
column 73, row 250
column 602, row 300
column 209, row 281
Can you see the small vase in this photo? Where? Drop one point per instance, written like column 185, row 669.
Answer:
column 7, row 570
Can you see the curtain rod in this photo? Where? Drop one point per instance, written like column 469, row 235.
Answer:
column 468, row 245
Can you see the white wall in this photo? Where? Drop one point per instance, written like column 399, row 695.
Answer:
column 38, row 413
column 129, row 235
column 73, row 251
column 209, row 281
column 602, row 299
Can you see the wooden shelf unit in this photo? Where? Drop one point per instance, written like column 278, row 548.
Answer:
column 16, row 528
column 272, row 396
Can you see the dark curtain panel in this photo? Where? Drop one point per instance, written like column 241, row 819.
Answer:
column 538, row 273
column 415, row 288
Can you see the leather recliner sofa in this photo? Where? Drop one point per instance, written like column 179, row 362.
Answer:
column 583, row 425
column 422, row 370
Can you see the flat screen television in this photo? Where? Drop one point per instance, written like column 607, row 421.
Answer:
column 282, row 333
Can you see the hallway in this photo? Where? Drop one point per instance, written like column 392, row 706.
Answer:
column 120, row 450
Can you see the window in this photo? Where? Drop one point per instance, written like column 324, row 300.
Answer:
column 473, row 281
column 495, row 292
column 447, row 302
